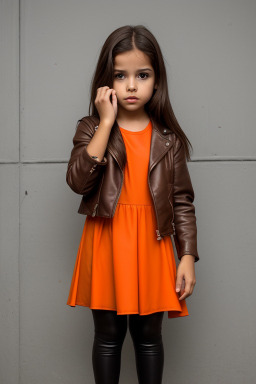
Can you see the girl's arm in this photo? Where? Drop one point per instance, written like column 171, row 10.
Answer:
column 84, row 172
column 184, row 210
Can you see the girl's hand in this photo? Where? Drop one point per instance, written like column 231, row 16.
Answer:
column 106, row 109
column 185, row 279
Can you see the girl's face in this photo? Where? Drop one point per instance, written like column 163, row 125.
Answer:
column 133, row 76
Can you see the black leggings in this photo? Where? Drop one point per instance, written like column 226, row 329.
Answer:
column 109, row 334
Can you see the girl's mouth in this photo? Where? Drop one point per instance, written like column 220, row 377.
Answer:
column 131, row 99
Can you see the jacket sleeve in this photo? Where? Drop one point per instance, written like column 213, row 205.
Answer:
column 184, row 210
column 84, row 172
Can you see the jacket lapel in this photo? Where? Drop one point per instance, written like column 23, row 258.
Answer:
column 116, row 146
column 159, row 145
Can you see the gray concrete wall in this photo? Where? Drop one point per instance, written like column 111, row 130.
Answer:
column 48, row 53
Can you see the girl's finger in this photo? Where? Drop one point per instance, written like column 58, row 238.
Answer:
column 101, row 89
column 179, row 282
column 114, row 101
column 99, row 93
column 104, row 90
column 183, row 297
column 104, row 94
column 186, row 291
column 108, row 93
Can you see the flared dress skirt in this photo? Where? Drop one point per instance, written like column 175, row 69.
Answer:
column 120, row 264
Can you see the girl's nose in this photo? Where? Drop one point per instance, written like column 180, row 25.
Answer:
column 131, row 85
column 131, row 88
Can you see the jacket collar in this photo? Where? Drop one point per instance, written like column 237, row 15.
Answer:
column 161, row 143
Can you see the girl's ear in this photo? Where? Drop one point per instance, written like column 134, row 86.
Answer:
column 155, row 87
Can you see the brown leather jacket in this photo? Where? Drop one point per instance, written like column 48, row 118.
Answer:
column 169, row 181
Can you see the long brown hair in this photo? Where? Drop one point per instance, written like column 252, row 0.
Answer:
column 159, row 107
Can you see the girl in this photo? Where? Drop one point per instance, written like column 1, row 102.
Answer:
column 129, row 163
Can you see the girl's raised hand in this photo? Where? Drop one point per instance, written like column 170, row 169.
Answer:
column 106, row 109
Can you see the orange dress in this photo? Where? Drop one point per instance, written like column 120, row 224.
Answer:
column 120, row 264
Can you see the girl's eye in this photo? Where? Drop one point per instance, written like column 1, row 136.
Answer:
column 118, row 74
column 145, row 75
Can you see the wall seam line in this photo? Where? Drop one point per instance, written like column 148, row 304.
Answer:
column 19, row 118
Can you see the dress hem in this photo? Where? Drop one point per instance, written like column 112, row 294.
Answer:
column 131, row 312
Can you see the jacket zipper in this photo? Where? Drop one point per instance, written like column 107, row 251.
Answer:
column 173, row 225
column 94, row 209
column 96, row 205
column 121, row 182
column 158, row 235
column 173, row 215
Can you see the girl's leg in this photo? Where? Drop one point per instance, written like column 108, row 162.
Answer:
column 149, row 351
column 109, row 334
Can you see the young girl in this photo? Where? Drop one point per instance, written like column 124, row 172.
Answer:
column 129, row 161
